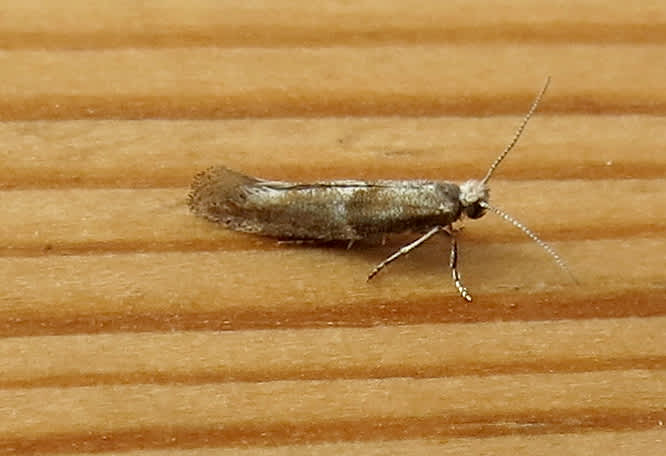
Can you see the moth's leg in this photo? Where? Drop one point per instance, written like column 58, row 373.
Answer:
column 404, row 250
column 453, row 264
column 298, row 241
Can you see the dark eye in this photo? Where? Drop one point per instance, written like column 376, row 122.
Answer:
column 475, row 211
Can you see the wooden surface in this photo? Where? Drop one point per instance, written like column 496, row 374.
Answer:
column 129, row 326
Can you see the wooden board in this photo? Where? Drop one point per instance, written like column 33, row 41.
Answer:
column 129, row 326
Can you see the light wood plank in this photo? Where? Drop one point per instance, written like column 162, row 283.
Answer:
column 160, row 153
column 128, row 326
column 467, row 79
column 318, row 287
column 539, row 400
column 33, row 23
column 428, row 350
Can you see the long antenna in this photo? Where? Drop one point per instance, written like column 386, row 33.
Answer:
column 519, row 132
column 532, row 235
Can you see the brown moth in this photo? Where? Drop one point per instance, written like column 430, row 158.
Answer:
column 351, row 210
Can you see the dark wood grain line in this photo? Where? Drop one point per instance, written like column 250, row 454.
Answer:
column 243, row 35
column 572, row 365
column 273, row 434
column 246, row 243
column 269, row 103
column 424, row 309
column 46, row 178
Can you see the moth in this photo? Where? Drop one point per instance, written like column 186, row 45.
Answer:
column 351, row 210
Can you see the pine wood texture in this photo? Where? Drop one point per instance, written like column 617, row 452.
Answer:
column 131, row 327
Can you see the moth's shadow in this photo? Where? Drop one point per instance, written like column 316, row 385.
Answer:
column 432, row 256
column 477, row 261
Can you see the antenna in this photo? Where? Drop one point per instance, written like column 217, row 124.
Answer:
column 532, row 235
column 519, row 132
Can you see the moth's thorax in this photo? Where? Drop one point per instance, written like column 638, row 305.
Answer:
column 472, row 194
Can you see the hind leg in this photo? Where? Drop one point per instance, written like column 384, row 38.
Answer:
column 404, row 250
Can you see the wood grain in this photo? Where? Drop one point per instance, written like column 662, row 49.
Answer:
column 128, row 326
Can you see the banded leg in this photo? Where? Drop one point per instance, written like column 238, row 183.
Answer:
column 297, row 241
column 404, row 250
column 453, row 264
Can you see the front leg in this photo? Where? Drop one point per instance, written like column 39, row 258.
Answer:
column 453, row 264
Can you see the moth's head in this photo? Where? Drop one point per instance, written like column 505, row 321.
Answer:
column 473, row 197
column 474, row 193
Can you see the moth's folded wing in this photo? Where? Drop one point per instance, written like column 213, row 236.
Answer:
column 218, row 194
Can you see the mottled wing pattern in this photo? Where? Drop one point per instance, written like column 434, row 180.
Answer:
column 332, row 210
column 219, row 194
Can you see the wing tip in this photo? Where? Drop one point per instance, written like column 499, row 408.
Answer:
column 212, row 189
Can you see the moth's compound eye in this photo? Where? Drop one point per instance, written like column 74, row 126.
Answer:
column 475, row 211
